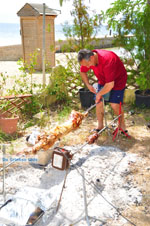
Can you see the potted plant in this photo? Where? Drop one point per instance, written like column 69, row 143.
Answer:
column 86, row 97
column 133, row 34
column 8, row 120
column 8, row 124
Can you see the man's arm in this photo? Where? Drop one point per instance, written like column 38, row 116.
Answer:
column 107, row 88
column 86, row 81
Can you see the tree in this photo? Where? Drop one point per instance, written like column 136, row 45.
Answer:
column 85, row 25
column 132, row 18
column 61, row 2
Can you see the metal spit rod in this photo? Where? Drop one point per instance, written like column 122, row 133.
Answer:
column 90, row 108
column 98, row 133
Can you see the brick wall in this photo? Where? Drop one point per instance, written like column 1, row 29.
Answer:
column 10, row 53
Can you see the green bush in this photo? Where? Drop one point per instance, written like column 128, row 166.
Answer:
column 57, row 85
column 35, row 105
column 65, row 81
column 131, row 21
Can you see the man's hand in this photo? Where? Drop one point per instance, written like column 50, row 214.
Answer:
column 98, row 98
column 91, row 88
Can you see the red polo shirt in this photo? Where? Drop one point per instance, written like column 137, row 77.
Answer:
column 110, row 68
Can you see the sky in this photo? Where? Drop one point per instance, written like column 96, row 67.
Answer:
column 9, row 8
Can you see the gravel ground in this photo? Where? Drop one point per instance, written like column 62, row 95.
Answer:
column 106, row 167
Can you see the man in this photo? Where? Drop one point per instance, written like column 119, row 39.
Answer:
column 112, row 77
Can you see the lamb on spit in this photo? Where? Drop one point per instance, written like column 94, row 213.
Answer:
column 47, row 139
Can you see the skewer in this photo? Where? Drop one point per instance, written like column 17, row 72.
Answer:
column 47, row 140
column 98, row 133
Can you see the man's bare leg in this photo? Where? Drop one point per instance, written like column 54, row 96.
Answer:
column 100, row 115
column 116, row 108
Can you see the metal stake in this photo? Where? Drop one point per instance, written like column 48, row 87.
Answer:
column 85, row 200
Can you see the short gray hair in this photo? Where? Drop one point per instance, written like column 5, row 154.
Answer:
column 84, row 54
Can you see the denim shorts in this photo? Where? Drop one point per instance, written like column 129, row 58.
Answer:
column 114, row 96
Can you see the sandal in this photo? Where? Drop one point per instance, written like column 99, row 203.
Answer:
column 95, row 130
column 126, row 131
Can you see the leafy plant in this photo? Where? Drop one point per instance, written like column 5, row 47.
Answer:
column 5, row 105
column 23, row 84
column 131, row 21
column 64, row 112
column 8, row 137
column 65, row 81
column 29, row 109
column 57, row 86
column 3, row 78
column 85, row 26
column 29, row 124
column 28, row 70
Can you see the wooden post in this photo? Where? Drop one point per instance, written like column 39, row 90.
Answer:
column 43, row 50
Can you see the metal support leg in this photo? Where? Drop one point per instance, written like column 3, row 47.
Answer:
column 105, row 117
column 62, row 189
column 87, row 217
column 116, row 132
